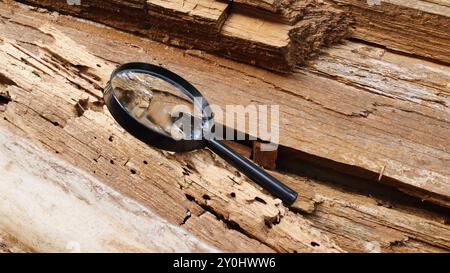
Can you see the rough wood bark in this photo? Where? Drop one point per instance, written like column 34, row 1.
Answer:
column 50, row 64
column 418, row 27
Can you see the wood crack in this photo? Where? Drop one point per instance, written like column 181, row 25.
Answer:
column 229, row 223
column 168, row 183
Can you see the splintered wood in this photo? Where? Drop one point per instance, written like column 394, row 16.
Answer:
column 216, row 26
column 419, row 27
column 289, row 11
column 200, row 16
column 52, row 64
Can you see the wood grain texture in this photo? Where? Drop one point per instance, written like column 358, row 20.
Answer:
column 10, row 244
column 53, row 206
column 280, row 46
column 203, row 17
column 367, row 134
column 360, row 223
column 388, row 74
column 284, row 11
column 217, row 233
column 60, row 61
column 213, row 26
column 312, row 106
column 400, row 139
column 53, row 61
column 418, row 27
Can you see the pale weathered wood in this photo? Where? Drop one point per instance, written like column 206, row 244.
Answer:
column 58, row 54
column 388, row 74
column 418, row 27
column 53, row 206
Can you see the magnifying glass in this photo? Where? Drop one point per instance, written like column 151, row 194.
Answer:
column 165, row 111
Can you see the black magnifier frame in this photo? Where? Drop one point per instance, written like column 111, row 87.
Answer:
column 161, row 141
column 140, row 130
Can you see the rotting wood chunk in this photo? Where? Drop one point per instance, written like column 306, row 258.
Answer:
column 265, row 158
column 296, row 31
column 285, row 11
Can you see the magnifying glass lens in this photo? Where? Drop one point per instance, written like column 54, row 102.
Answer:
column 164, row 110
column 158, row 104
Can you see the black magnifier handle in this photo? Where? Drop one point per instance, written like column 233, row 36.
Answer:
column 254, row 172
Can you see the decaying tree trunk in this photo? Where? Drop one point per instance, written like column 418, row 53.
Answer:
column 358, row 110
